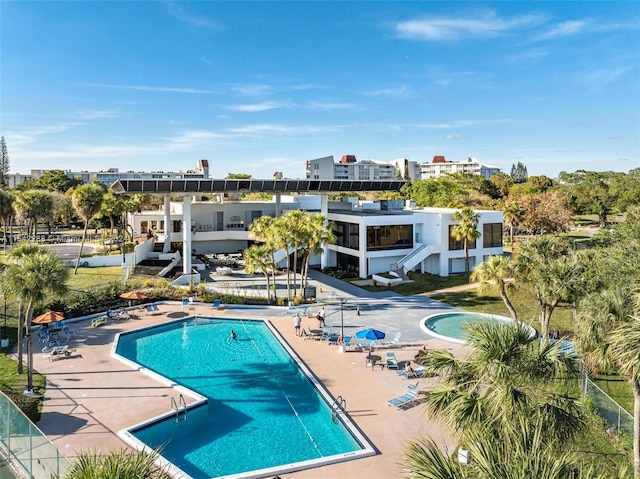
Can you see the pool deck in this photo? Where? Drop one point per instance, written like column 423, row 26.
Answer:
column 92, row 395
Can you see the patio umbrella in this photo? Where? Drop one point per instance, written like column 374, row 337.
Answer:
column 134, row 295
column 48, row 317
column 370, row 333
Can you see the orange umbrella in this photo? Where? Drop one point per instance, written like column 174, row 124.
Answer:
column 48, row 317
column 134, row 295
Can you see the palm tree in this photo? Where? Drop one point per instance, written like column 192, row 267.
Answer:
column 466, row 231
column 505, row 382
column 607, row 325
column 32, row 205
column 259, row 257
column 261, row 230
column 87, row 200
column 293, row 222
column 116, row 464
column 552, row 271
column 512, row 212
column 6, row 211
column 33, row 273
column 320, row 233
column 625, row 354
column 498, row 273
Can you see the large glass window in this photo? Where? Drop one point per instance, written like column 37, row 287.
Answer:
column 455, row 244
column 492, row 235
column 389, row 237
column 347, row 234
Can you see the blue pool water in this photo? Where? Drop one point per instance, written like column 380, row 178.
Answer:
column 450, row 326
column 261, row 411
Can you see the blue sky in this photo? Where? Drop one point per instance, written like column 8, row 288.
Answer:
column 258, row 87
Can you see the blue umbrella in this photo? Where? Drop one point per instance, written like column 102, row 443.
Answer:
column 370, row 333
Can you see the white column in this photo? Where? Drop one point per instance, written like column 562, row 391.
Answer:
column 278, row 198
column 324, row 209
column 167, row 225
column 186, row 235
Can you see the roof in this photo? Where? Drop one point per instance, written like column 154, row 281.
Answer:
column 194, row 186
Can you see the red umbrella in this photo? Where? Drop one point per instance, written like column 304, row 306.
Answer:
column 48, row 317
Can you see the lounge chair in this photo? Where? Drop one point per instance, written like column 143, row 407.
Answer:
column 101, row 321
column 393, row 342
column 410, row 393
column 417, row 372
column 392, row 362
column 59, row 352
column 216, row 304
column 185, row 302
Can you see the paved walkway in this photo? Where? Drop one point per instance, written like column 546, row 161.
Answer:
column 91, row 396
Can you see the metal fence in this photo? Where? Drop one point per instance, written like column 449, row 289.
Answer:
column 615, row 415
column 25, row 447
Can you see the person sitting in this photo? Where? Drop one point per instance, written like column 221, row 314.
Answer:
column 421, row 353
column 233, row 334
column 408, row 369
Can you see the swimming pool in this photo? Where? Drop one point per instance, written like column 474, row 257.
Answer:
column 450, row 326
column 260, row 411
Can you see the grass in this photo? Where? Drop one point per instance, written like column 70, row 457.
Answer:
column 421, row 283
column 10, row 380
column 90, row 278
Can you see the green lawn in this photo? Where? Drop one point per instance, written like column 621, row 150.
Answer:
column 90, row 278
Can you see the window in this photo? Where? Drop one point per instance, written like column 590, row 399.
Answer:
column 492, row 235
column 347, row 234
column 455, row 244
column 387, row 237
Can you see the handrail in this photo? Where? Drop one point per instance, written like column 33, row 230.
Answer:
column 179, row 407
column 338, row 406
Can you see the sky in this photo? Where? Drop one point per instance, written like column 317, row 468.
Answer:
column 260, row 87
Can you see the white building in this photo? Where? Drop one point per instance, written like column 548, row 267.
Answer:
column 349, row 168
column 441, row 166
column 112, row 174
column 371, row 237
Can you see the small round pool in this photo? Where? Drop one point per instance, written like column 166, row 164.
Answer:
column 449, row 326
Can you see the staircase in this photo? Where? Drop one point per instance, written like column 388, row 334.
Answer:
column 412, row 260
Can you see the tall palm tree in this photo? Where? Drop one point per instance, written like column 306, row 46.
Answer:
column 6, row 211
column 87, row 200
column 497, row 273
column 320, row 233
column 261, row 229
column 607, row 336
column 294, row 223
column 260, row 257
column 506, row 381
column 553, row 271
column 625, row 354
column 466, row 231
column 31, row 275
column 512, row 212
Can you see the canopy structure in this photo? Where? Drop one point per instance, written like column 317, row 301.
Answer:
column 188, row 188
column 197, row 186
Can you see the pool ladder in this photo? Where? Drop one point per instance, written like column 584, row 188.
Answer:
column 180, row 407
column 339, row 405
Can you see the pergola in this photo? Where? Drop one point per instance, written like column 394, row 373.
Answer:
column 190, row 187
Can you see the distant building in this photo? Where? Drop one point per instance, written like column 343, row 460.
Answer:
column 112, row 174
column 440, row 166
column 349, row 168
column 15, row 179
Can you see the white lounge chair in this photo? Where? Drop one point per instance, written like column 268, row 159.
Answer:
column 410, row 393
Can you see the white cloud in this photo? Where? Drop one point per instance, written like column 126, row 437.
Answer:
column 457, row 136
column 321, row 105
column 178, row 10
column 253, row 90
column 454, row 28
column 564, row 29
column 264, row 106
column 277, row 129
column 400, row 91
column 149, row 88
